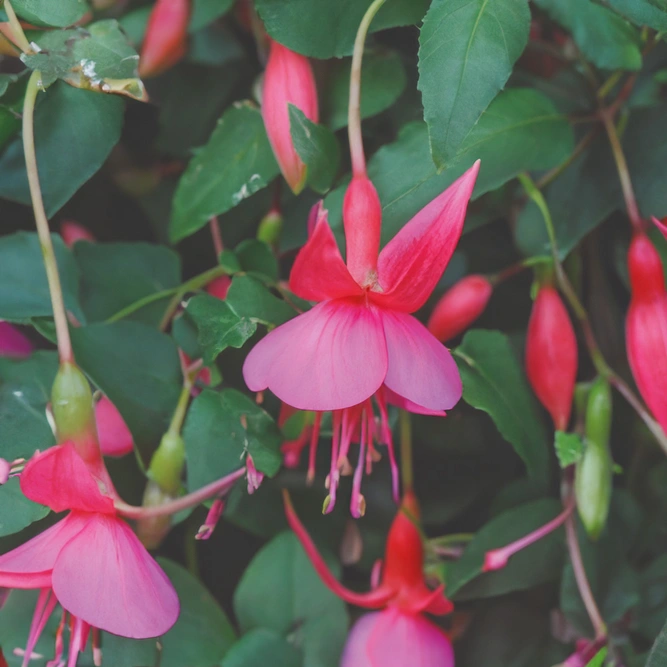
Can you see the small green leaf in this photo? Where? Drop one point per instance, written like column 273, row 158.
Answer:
column 236, row 162
column 467, row 52
column 257, row 258
column 569, row 448
column 598, row 659
column 317, row 147
column 250, row 299
column 262, row 647
column 652, row 13
column 658, row 655
column 207, row 11
column 17, row 511
column 48, row 13
column 218, row 325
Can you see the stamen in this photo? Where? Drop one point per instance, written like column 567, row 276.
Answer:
column 76, row 643
column 346, row 439
column 358, row 502
column 46, row 603
column 314, row 439
column 58, row 661
column 97, row 651
column 376, row 573
column 389, row 442
column 254, row 477
column 334, row 475
column 206, row 530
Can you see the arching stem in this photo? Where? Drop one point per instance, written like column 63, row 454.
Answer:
column 17, row 31
column 406, row 450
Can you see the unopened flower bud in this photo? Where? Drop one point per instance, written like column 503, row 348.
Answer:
column 166, row 467
column 114, row 435
column 218, row 287
column 270, row 228
column 72, row 403
column 72, row 232
column 5, row 468
column 152, row 530
column 459, row 307
column 166, row 37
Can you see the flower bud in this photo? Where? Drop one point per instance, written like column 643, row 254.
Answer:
column 218, row 287
column 72, row 403
column 114, row 435
column 166, row 467
column 151, row 531
column 270, row 228
column 594, row 471
column 288, row 79
column 73, row 232
column 166, row 37
column 551, row 355
column 459, row 307
column 13, row 343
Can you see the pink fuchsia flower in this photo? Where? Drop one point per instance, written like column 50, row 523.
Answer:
column 165, row 41
column 360, row 341
column 114, row 435
column 90, row 562
column 72, row 232
column 13, row 343
column 288, row 79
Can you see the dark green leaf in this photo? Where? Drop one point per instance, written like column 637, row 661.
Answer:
column 317, row 147
column 494, row 382
column 202, row 634
column 300, row 606
column 221, row 427
column 250, row 299
column 262, row 647
column 123, row 652
column 603, row 37
column 325, row 29
column 48, row 13
column 658, row 655
column 652, row 13
column 236, row 162
column 569, row 448
column 652, row 609
column 70, row 146
column 256, row 257
column 17, row 511
column 467, row 51
column 533, row 565
column 207, row 11
column 218, row 325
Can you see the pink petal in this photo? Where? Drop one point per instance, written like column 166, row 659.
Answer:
column 411, row 264
column 218, row 287
column 13, row 343
column 115, row 438
column 30, row 565
column 421, row 370
column 390, row 638
column 105, row 577
column 410, row 406
column 59, row 479
column 332, row 357
column 72, row 232
column 319, row 272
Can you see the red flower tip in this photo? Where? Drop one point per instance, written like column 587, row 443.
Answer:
column 166, row 37
column 72, row 232
column 494, row 560
column 288, row 79
column 218, row 287
column 645, row 267
column 459, row 307
column 551, row 355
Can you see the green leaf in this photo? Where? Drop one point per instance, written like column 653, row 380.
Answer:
column 325, row 29
column 521, row 130
column 598, row 659
column 652, row 13
column 48, row 13
column 300, row 607
column 137, row 367
column 236, row 162
column 569, row 448
column 317, row 146
column 124, row 652
column 70, row 146
column 262, row 647
column 250, row 299
column 221, row 427
column 652, row 610
column 97, row 57
column 467, row 52
column 207, row 11
column 218, row 325
column 257, row 258
column 17, row 511
column 115, row 275
column 603, row 37
column 202, row 634
column 494, row 382
column 658, row 655
column 24, row 290
column 537, row 563
column 383, row 80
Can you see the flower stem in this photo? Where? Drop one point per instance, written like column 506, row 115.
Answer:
column 406, row 450
column 59, row 313
column 552, row 175
column 218, row 246
column 21, row 40
column 354, row 112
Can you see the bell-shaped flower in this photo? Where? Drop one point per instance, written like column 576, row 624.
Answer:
column 646, row 326
column 165, row 41
column 13, row 343
column 288, row 79
column 360, row 341
column 90, row 562
column 114, row 435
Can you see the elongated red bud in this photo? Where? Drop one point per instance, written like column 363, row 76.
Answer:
column 459, row 307
column 114, row 435
column 72, row 232
column 362, row 217
column 288, row 79
column 166, row 37
column 218, row 287
column 551, row 355
column 646, row 326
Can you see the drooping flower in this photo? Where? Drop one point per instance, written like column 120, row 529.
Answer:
column 646, row 326
column 288, row 79
column 400, row 634
column 114, row 435
column 361, row 342
column 551, row 355
column 165, row 41
column 459, row 307
column 13, row 343
column 72, row 232
column 90, row 562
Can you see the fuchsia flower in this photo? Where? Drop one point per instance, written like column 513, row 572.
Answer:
column 288, row 79
column 114, row 435
column 166, row 36
column 72, row 232
column 218, row 287
column 90, row 562
column 399, row 635
column 361, row 342
column 13, row 343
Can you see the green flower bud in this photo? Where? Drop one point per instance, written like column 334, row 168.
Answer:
column 72, row 404
column 166, row 467
column 270, row 228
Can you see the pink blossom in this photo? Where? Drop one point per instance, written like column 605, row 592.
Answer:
column 72, row 232
column 13, row 343
column 166, row 36
column 90, row 562
column 360, row 341
column 5, row 469
column 114, row 435
column 218, row 287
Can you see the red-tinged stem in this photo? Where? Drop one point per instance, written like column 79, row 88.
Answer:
column 406, row 451
column 17, row 31
column 53, row 277
column 218, row 246
column 216, row 488
column 374, row 599
column 354, row 107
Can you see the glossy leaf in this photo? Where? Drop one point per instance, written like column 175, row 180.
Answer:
column 17, row 511
column 250, row 299
column 207, row 11
column 652, row 13
column 51, row 14
column 261, row 646
column 658, row 655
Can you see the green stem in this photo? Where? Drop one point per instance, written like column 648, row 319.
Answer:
column 406, row 450
column 59, row 313
column 353, row 112
column 552, row 175
column 21, row 40
column 181, row 410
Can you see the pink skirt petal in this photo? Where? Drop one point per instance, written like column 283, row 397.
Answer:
column 421, row 369
column 332, row 357
column 105, row 577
